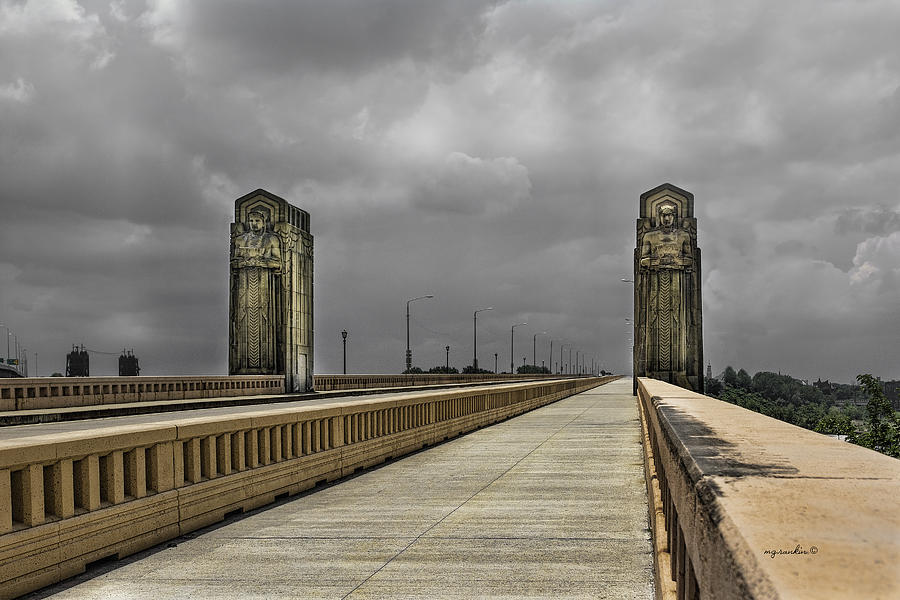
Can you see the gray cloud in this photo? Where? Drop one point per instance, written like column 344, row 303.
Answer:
column 491, row 153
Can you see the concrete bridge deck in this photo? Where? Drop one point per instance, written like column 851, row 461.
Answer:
column 550, row 504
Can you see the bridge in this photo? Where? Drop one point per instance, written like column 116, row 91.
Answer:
column 541, row 488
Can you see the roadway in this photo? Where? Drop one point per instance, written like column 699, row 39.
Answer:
column 551, row 504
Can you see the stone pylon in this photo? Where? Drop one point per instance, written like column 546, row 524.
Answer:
column 271, row 293
column 668, row 322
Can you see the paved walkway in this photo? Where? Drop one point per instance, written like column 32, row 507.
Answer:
column 551, row 504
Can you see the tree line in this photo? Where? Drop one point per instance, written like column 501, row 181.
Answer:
column 825, row 407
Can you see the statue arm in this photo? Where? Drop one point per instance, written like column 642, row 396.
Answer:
column 646, row 252
column 272, row 255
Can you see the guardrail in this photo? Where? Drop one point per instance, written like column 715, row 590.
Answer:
column 30, row 393
column 74, row 497
column 745, row 506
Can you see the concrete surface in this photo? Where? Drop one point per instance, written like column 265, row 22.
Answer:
column 551, row 504
column 766, row 509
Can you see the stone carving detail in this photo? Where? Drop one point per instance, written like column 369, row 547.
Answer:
column 667, row 304
column 271, row 290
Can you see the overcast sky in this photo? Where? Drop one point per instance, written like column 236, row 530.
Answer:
column 489, row 153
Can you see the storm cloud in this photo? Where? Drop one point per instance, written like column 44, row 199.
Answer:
column 489, row 153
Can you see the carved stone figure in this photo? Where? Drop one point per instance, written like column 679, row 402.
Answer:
column 667, row 304
column 271, row 290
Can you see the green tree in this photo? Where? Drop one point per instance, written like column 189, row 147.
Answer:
column 713, row 387
column 533, row 369
column 835, row 423
column 730, row 377
column 882, row 430
column 742, row 380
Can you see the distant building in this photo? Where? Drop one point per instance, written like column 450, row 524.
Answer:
column 891, row 390
column 78, row 363
column 128, row 364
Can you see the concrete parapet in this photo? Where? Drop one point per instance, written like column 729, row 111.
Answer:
column 37, row 393
column 61, row 392
column 325, row 383
column 74, row 497
column 746, row 506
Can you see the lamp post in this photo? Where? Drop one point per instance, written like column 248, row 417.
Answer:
column 475, row 336
column 512, row 339
column 550, row 358
column 570, row 360
column 408, row 351
column 560, row 366
column 634, row 336
column 577, row 372
column 7, row 339
column 448, row 359
column 344, row 336
column 495, row 363
column 534, row 347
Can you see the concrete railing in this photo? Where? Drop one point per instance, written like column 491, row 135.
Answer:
column 325, row 383
column 75, row 497
column 60, row 392
column 64, row 392
column 746, row 506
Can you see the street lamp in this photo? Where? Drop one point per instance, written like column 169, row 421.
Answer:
column 560, row 366
column 408, row 351
column 495, row 363
column 448, row 359
column 7, row 339
column 344, row 336
column 634, row 338
column 475, row 336
column 550, row 359
column 512, row 339
column 534, row 347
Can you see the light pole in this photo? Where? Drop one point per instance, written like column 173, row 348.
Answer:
column 570, row 360
column 344, row 336
column 560, row 366
column 475, row 336
column 512, row 339
column 495, row 363
column 534, row 347
column 408, row 351
column 634, row 335
column 550, row 358
column 7, row 339
column 448, row 359
column 577, row 372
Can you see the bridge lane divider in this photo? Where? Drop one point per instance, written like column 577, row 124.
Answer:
column 150, row 405
column 71, row 498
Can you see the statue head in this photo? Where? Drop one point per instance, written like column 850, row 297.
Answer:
column 257, row 220
column 667, row 215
